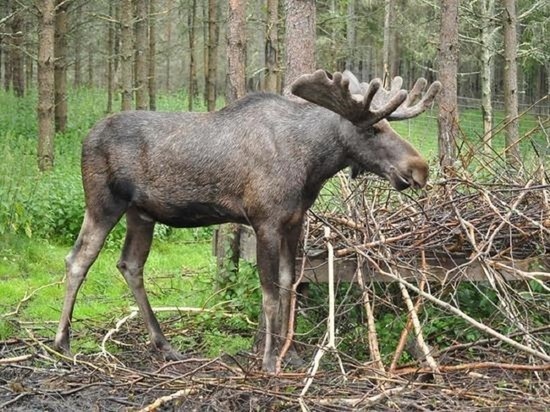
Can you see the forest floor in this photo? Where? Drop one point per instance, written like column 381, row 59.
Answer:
column 33, row 377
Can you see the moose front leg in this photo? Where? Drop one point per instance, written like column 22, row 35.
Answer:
column 287, row 264
column 268, row 247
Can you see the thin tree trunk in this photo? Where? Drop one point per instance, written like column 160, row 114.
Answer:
column 46, row 99
column 7, row 51
column 213, row 37
column 227, row 239
column 77, row 67
column 18, row 67
column 192, row 69
column 152, row 57
column 272, row 46
column 116, row 50
column 60, row 72
column 351, row 36
column 236, row 50
column 7, row 64
column 511, row 83
column 168, row 52
column 389, row 12
column 299, row 40
column 126, row 48
column 141, row 55
column 90, row 81
column 487, row 46
column 448, row 69
column 110, row 52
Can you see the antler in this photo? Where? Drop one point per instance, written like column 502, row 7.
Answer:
column 364, row 104
column 415, row 103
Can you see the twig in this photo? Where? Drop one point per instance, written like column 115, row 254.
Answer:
column 117, row 327
column 475, row 365
column 168, row 398
column 15, row 359
column 371, row 323
column 418, row 334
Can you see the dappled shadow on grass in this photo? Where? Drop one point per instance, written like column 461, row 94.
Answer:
column 125, row 375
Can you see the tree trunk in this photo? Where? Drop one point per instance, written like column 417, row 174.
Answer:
column 110, row 52
column 152, row 57
column 236, row 51
column 227, row 239
column 213, row 36
column 126, row 48
column 389, row 12
column 272, row 46
column 17, row 60
column 142, row 101
column 509, row 18
column 77, row 69
column 6, row 43
column 351, row 37
column 448, row 69
column 487, row 51
column 168, row 53
column 60, row 71
column 299, row 40
column 6, row 48
column 91, row 52
column 46, row 99
column 192, row 68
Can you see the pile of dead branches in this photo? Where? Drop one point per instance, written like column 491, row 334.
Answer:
column 483, row 221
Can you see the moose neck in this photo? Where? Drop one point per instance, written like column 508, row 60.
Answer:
column 322, row 149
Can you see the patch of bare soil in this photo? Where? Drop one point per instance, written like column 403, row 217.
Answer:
column 33, row 377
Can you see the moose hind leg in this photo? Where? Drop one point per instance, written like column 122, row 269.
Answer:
column 136, row 249
column 92, row 235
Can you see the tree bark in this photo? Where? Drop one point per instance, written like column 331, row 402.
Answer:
column 126, row 48
column 448, row 69
column 77, row 65
column 192, row 67
column 236, row 50
column 110, row 55
column 299, row 40
column 487, row 51
column 509, row 22
column 351, row 34
column 168, row 54
column 17, row 60
column 152, row 57
column 46, row 99
column 6, row 48
column 213, row 35
column 60, row 71
column 389, row 33
column 142, row 87
column 227, row 239
column 272, row 46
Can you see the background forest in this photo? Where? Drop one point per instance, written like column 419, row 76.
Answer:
column 65, row 64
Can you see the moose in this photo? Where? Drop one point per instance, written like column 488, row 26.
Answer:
column 260, row 161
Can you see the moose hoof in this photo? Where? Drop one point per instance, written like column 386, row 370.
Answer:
column 62, row 346
column 269, row 365
column 173, row 355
